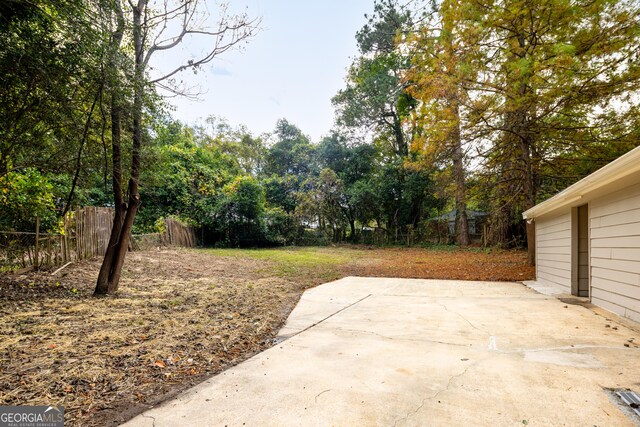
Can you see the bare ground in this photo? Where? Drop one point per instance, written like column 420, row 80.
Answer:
column 450, row 263
column 180, row 317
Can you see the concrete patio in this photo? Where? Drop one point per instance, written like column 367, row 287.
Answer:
column 400, row 352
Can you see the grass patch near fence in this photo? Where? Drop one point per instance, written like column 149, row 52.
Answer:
column 315, row 263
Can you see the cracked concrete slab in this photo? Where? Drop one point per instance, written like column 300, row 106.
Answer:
column 402, row 352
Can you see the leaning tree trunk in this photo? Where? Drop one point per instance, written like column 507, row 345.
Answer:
column 111, row 269
column 102, row 284
column 232, row 29
column 125, row 234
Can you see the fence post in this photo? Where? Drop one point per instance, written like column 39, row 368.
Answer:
column 65, row 239
column 49, row 253
column 36, row 260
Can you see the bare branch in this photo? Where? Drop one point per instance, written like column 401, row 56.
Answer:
column 229, row 32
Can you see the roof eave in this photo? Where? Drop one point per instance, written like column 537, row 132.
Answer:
column 619, row 168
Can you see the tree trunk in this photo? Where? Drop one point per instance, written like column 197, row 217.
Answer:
column 461, row 203
column 111, row 270
column 503, row 214
column 352, row 227
column 123, row 243
column 102, row 284
column 83, row 140
column 455, row 141
column 530, row 197
column 401, row 143
column 454, row 137
column 531, row 242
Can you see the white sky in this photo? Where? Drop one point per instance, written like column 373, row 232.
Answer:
column 291, row 69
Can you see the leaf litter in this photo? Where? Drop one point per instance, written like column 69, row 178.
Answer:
column 179, row 317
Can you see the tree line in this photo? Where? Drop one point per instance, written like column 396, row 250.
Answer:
column 487, row 105
column 505, row 102
column 282, row 188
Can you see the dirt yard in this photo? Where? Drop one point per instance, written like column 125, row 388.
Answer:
column 180, row 316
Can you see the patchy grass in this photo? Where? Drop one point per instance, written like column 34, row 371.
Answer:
column 292, row 255
column 315, row 263
column 180, row 316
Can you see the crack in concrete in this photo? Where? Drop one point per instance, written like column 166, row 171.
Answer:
column 451, row 378
column 406, row 417
column 463, row 318
column 321, row 393
column 280, row 339
column 153, row 423
column 493, row 348
column 566, row 347
column 416, row 296
column 400, row 338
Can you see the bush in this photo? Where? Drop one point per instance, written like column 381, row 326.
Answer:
column 23, row 197
column 282, row 228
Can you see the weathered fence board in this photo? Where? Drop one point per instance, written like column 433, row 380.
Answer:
column 86, row 235
column 92, row 229
column 178, row 234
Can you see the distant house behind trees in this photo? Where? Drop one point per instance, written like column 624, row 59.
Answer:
column 476, row 221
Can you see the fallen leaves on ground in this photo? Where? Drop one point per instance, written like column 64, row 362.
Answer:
column 452, row 264
column 180, row 316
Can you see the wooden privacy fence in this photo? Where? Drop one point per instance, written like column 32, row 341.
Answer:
column 175, row 234
column 92, row 230
column 178, row 234
column 85, row 235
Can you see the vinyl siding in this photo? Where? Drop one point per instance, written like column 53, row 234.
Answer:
column 615, row 252
column 553, row 250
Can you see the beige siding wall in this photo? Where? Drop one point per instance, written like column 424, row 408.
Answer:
column 615, row 252
column 553, row 249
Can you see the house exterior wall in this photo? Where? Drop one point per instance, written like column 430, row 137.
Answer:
column 615, row 251
column 612, row 197
column 553, row 249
